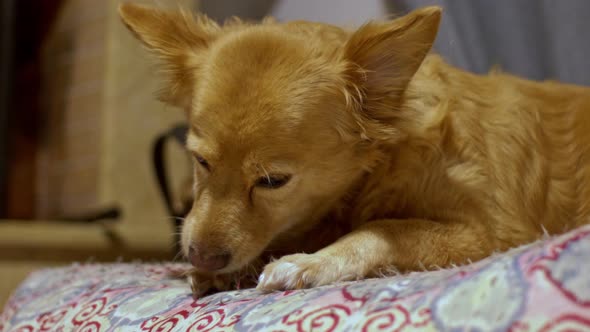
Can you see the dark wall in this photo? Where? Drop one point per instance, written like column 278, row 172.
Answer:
column 6, row 55
column 25, row 23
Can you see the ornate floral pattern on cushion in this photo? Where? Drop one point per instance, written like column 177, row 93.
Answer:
column 544, row 286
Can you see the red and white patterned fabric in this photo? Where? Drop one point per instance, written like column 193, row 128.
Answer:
column 540, row 287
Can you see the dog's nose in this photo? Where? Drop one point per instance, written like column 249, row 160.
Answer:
column 207, row 260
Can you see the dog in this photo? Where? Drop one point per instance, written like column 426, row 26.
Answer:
column 351, row 154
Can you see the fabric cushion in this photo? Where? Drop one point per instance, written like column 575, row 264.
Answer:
column 539, row 287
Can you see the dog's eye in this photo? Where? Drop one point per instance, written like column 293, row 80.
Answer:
column 202, row 161
column 273, row 181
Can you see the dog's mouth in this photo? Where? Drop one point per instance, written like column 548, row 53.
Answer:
column 215, row 248
column 247, row 271
column 206, row 284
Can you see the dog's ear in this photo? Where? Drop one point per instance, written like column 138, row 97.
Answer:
column 385, row 56
column 178, row 38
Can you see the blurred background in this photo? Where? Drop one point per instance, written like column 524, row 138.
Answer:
column 91, row 165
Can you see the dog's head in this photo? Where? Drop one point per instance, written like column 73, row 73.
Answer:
column 284, row 118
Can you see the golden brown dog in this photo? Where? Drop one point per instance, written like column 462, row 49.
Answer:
column 357, row 152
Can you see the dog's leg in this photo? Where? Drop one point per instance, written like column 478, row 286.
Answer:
column 377, row 247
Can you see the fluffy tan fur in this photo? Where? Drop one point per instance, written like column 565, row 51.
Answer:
column 396, row 159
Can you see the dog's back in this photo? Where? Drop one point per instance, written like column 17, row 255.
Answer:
column 517, row 151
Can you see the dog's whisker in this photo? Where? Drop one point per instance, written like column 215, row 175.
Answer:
column 177, row 256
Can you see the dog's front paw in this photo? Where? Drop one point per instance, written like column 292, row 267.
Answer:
column 301, row 271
